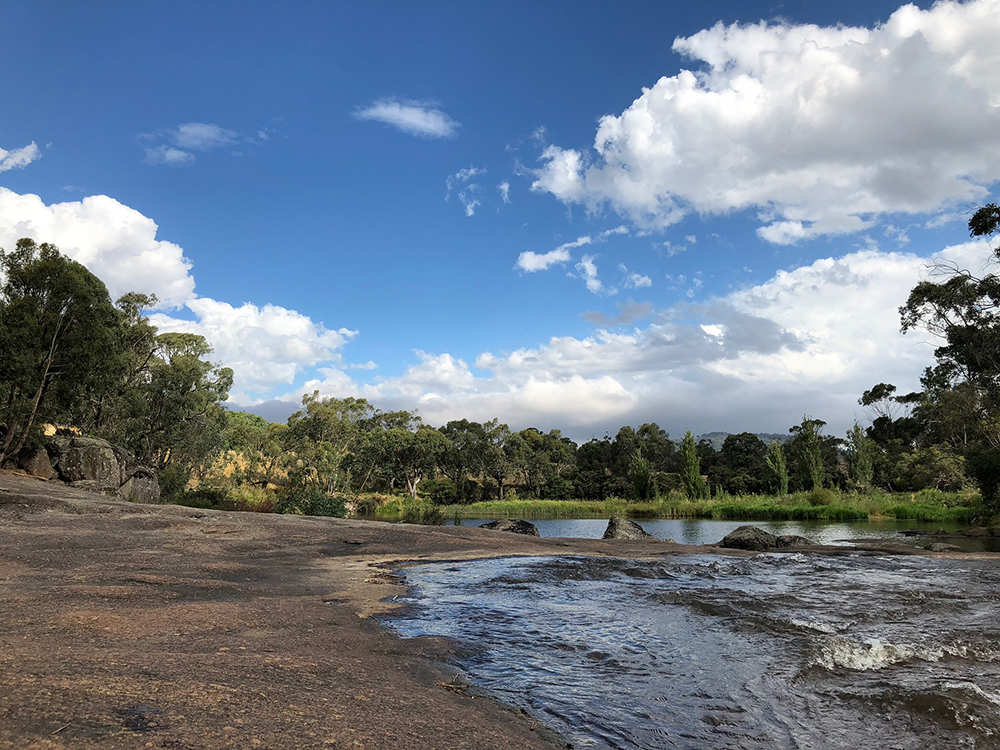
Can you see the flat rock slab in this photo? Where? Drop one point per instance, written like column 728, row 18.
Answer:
column 513, row 526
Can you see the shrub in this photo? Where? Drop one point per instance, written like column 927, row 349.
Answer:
column 309, row 500
column 821, row 497
column 415, row 511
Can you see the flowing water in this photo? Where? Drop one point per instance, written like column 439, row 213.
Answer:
column 705, row 651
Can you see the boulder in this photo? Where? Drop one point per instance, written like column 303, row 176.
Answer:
column 96, row 465
column 793, row 540
column 91, row 459
column 141, row 487
column 36, row 463
column 751, row 538
column 512, row 525
column 622, row 528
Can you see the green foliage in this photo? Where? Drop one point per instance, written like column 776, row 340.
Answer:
column 642, row 478
column 821, row 497
column 309, row 500
column 861, row 454
column 173, row 478
column 690, row 469
column 778, row 468
column 60, row 337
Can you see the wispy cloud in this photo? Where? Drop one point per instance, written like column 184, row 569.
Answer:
column 587, row 271
column 628, row 312
column 469, row 192
column 172, row 157
column 203, row 136
column 530, row 262
column 634, row 280
column 175, row 145
column 19, row 158
column 418, row 118
column 504, row 188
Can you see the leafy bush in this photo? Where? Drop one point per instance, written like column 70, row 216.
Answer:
column 368, row 505
column 309, row 500
column 415, row 511
column 173, row 478
column 821, row 497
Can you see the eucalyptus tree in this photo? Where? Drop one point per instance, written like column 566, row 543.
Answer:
column 962, row 309
column 690, row 469
column 60, row 337
column 777, row 467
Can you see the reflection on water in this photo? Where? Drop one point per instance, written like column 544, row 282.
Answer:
column 705, row 531
column 772, row 651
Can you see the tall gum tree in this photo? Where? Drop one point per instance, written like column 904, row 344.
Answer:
column 61, row 339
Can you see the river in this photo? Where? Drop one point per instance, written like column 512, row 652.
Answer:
column 704, row 651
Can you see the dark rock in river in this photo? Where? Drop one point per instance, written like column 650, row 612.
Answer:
column 513, row 525
column 793, row 540
column 622, row 528
column 758, row 540
column 977, row 531
column 751, row 538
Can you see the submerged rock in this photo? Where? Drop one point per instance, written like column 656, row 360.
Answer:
column 622, row 528
column 794, row 540
column 512, row 525
column 940, row 547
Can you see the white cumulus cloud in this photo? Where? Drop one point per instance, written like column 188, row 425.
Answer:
column 820, row 130
column 807, row 341
column 418, row 118
column 267, row 346
column 115, row 242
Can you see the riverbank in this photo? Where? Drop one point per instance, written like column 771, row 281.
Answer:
column 128, row 625
column 822, row 505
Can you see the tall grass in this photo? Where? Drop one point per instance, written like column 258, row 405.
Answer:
column 819, row 505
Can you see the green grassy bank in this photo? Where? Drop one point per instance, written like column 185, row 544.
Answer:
column 822, row 505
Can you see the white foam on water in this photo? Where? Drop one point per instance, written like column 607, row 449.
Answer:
column 840, row 653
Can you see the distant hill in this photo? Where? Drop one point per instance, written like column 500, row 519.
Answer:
column 718, row 438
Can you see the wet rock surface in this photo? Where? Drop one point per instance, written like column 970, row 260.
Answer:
column 513, row 526
column 749, row 538
column 757, row 540
column 243, row 630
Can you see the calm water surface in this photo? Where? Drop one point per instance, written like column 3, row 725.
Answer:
column 702, row 651
column 706, row 531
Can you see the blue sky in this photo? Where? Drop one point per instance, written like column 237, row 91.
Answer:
column 574, row 215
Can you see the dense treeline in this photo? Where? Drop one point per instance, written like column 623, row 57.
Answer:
column 72, row 357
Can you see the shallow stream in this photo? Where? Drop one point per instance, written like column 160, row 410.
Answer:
column 705, row 651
